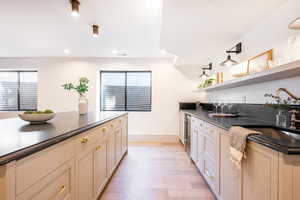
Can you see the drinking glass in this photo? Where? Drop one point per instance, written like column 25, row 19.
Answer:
column 216, row 104
column 229, row 105
column 222, row 103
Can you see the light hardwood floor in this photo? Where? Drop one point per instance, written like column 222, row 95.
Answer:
column 153, row 171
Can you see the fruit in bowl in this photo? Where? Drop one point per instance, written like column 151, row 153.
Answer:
column 37, row 117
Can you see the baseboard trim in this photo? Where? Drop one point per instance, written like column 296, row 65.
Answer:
column 154, row 138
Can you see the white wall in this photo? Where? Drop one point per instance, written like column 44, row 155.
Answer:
column 170, row 85
column 271, row 32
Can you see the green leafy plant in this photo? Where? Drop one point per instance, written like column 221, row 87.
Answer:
column 81, row 89
column 206, row 83
column 47, row 111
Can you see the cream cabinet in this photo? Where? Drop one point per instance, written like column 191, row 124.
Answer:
column 100, row 166
column 75, row 169
column 260, row 173
column 289, row 177
column 111, row 153
column 85, row 174
column 124, row 134
column 229, row 174
column 118, row 135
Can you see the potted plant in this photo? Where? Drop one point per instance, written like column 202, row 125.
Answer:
column 81, row 89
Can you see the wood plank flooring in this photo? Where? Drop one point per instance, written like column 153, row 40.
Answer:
column 156, row 172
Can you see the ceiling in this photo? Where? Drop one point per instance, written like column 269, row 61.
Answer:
column 31, row 28
column 201, row 29
column 193, row 30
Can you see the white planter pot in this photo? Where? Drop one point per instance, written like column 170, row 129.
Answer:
column 83, row 105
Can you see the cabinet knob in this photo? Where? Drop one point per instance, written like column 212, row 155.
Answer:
column 98, row 147
column 84, row 140
column 112, row 125
column 103, row 129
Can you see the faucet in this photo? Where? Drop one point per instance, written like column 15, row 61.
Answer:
column 287, row 92
column 293, row 119
column 294, row 112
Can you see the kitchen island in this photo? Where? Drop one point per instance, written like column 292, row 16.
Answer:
column 71, row 157
column 270, row 170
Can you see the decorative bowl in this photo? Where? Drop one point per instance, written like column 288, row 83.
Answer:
column 37, row 118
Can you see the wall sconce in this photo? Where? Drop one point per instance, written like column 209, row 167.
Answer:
column 204, row 68
column 229, row 62
column 95, row 31
column 75, row 8
column 295, row 24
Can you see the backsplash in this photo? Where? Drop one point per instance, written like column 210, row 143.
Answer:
column 258, row 111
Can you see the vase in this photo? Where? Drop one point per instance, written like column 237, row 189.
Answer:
column 83, row 105
column 281, row 119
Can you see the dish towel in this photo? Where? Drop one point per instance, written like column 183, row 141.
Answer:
column 238, row 141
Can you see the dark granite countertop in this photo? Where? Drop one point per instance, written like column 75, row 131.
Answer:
column 19, row 139
column 280, row 139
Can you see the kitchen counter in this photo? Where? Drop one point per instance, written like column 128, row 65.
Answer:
column 20, row 139
column 286, row 143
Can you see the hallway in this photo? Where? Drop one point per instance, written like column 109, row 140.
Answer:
column 156, row 172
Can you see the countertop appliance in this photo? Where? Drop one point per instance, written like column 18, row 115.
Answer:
column 187, row 106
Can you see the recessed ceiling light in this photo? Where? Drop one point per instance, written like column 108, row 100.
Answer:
column 66, row 51
column 75, row 8
column 95, row 31
column 114, row 51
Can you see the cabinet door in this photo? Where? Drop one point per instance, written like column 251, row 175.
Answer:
column 194, row 145
column 85, row 175
column 111, row 159
column 289, row 177
column 260, row 173
column 124, row 134
column 118, row 135
column 200, row 152
column 100, row 166
column 229, row 174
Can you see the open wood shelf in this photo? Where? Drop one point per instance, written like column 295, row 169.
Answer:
column 284, row 71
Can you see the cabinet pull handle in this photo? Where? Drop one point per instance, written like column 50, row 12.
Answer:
column 84, row 140
column 208, row 174
column 98, row 147
column 62, row 189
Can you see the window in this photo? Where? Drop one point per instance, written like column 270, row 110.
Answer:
column 125, row 91
column 18, row 90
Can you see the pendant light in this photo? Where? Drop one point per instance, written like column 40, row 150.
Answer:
column 204, row 68
column 95, row 31
column 229, row 62
column 75, row 8
column 295, row 24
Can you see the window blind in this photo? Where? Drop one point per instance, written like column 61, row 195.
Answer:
column 125, row 91
column 18, row 90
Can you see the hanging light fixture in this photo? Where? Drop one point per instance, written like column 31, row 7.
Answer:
column 75, row 8
column 95, row 31
column 295, row 24
column 229, row 62
column 204, row 68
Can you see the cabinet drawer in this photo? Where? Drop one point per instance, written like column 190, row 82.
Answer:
column 210, row 172
column 87, row 140
column 33, row 168
column 212, row 132
column 56, row 186
column 211, row 148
